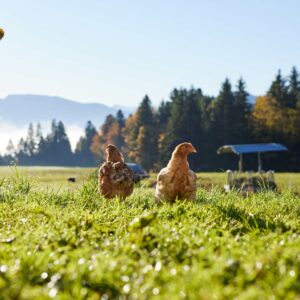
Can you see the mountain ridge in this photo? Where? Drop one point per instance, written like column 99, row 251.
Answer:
column 22, row 109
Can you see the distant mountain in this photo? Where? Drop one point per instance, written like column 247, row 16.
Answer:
column 23, row 109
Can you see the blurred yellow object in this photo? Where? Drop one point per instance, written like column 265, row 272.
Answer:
column 1, row 33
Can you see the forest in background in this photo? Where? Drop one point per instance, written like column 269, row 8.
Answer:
column 149, row 135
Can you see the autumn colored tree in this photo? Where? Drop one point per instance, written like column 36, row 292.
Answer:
column 141, row 135
column 109, row 133
column 273, row 123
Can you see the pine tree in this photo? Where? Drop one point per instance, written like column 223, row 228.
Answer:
column 279, row 91
column 57, row 147
column 184, row 123
column 21, row 155
column 38, row 137
column 164, row 112
column 83, row 154
column 30, row 141
column 10, row 149
column 294, row 88
column 145, row 112
column 242, row 111
column 223, row 116
column 120, row 118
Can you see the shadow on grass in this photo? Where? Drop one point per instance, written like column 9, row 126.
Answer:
column 251, row 221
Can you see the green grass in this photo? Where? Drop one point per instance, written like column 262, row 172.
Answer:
column 72, row 244
column 51, row 178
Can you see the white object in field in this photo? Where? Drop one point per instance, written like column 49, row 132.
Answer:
column 229, row 180
column 270, row 176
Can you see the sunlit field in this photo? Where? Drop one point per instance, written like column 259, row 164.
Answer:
column 60, row 239
column 56, row 178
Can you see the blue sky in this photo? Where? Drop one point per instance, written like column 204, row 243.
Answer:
column 114, row 52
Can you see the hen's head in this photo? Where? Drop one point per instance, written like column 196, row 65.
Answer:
column 184, row 149
column 113, row 154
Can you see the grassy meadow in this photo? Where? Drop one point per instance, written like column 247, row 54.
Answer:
column 61, row 240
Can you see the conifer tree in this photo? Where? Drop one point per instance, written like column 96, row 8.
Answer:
column 83, row 154
column 30, row 141
column 120, row 118
column 223, row 116
column 10, row 149
column 241, row 112
column 184, row 123
column 164, row 112
column 279, row 91
column 57, row 147
column 294, row 88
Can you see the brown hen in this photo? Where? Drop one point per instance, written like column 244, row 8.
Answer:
column 115, row 178
column 177, row 181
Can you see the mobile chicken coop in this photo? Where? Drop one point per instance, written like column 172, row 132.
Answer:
column 250, row 181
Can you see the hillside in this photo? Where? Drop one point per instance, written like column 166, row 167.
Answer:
column 22, row 109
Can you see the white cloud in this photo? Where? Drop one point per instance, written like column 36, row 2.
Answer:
column 9, row 131
column 15, row 133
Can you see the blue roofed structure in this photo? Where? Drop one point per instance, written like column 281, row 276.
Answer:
column 251, row 148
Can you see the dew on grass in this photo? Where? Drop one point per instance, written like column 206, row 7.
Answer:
column 173, row 271
column 91, row 267
column 147, row 269
column 23, row 221
column 83, row 292
column 258, row 265
column 186, row 268
column 113, row 264
column 292, row 273
column 157, row 267
column 3, row 268
column 182, row 294
column 126, row 288
column 104, row 297
column 55, row 277
column 125, row 278
column 53, row 292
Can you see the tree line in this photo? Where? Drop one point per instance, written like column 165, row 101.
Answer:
column 149, row 135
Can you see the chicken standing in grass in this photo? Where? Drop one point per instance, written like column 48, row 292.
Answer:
column 177, row 181
column 115, row 178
